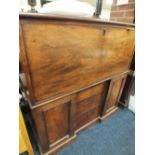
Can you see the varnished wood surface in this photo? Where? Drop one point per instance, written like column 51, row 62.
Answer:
column 75, row 61
column 114, row 93
column 49, row 120
column 86, row 117
column 57, row 122
column 88, row 104
column 82, row 95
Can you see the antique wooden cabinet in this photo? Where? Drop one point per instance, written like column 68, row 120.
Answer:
column 75, row 71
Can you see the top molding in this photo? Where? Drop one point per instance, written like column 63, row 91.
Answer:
column 73, row 18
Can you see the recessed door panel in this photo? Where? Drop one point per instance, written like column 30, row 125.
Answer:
column 57, row 122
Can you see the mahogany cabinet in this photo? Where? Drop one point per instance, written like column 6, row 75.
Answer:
column 75, row 71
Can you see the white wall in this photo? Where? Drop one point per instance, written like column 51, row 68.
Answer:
column 106, row 8
column 132, row 103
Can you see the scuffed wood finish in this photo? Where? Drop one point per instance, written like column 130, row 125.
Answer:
column 75, row 72
column 56, row 49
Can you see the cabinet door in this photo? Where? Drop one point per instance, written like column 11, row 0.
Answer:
column 115, row 91
column 57, row 124
column 52, row 123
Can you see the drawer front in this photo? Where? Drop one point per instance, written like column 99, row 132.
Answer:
column 60, row 60
column 86, row 117
column 88, row 104
column 78, row 97
column 89, row 99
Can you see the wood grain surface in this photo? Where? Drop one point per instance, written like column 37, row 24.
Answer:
column 64, row 57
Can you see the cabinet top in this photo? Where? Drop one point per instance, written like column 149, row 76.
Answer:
column 73, row 18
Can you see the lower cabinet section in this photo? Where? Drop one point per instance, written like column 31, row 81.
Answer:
column 60, row 120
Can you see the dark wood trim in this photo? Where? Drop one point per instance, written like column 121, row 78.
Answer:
column 132, row 62
column 121, row 90
column 72, row 18
column 105, row 94
column 108, row 97
column 71, row 118
column 132, row 65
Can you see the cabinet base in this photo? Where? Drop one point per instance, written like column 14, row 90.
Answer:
column 70, row 140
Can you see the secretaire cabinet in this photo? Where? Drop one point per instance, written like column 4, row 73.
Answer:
column 75, row 71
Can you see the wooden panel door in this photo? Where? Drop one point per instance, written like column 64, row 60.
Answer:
column 57, row 122
column 52, row 122
column 115, row 90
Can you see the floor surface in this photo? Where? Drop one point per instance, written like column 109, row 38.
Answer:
column 115, row 136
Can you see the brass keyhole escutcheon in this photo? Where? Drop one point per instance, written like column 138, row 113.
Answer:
column 104, row 30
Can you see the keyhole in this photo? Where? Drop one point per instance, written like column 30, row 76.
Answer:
column 104, row 31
